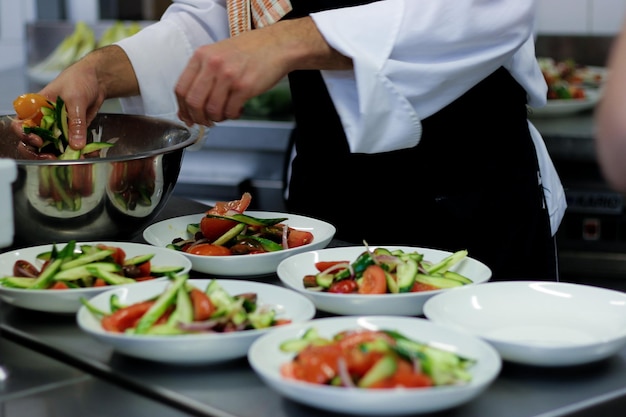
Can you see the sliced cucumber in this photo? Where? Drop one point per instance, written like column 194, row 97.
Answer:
column 324, row 280
column 139, row 259
column 406, row 273
column 392, row 283
column 81, row 271
column 249, row 220
column 384, row 368
column 226, row 237
column 87, row 259
column 17, row 282
column 160, row 270
column 455, row 275
column 109, row 277
column 438, row 281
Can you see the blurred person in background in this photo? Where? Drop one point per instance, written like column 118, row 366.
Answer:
column 610, row 117
column 411, row 122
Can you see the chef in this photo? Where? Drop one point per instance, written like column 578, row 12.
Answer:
column 410, row 116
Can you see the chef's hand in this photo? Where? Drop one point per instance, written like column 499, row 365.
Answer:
column 84, row 85
column 78, row 86
column 221, row 77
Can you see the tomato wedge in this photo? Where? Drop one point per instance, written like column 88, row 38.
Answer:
column 221, row 207
column 118, row 255
column 202, row 305
column 208, row 249
column 324, row 265
column 214, row 228
column 298, row 238
column 125, row 318
column 59, row 285
column 374, row 281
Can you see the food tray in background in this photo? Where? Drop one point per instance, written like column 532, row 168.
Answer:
column 43, row 37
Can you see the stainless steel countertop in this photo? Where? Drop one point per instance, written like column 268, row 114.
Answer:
column 233, row 389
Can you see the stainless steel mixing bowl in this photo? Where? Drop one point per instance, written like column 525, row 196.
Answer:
column 111, row 197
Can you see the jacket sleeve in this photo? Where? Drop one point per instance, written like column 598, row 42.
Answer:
column 412, row 58
column 160, row 52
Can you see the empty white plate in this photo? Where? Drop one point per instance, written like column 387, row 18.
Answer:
column 537, row 323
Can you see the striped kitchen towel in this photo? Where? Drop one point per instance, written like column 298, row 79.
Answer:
column 243, row 15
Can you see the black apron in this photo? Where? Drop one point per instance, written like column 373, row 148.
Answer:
column 471, row 183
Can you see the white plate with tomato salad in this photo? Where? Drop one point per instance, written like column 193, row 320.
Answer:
column 293, row 270
column 200, row 343
column 331, row 392
column 67, row 300
column 209, row 259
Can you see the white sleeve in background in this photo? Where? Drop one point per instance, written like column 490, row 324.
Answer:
column 160, row 52
column 412, row 58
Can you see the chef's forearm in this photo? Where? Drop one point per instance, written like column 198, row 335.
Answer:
column 114, row 71
column 305, row 47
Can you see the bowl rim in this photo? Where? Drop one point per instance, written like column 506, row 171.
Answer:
column 188, row 141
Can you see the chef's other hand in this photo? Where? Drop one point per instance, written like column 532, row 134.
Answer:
column 221, row 77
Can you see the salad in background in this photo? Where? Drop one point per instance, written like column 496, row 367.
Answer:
column 568, row 79
column 80, row 42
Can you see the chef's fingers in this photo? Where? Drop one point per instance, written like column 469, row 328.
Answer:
column 77, row 124
column 26, row 151
column 183, row 87
column 30, row 139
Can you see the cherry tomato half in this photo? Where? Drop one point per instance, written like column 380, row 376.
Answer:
column 28, row 106
column 208, row 249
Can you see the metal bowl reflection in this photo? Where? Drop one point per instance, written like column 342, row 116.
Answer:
column 111, row 197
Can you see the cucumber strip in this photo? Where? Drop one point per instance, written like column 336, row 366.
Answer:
column 446, row 263
column 249, row 220
column 95, row 146
column 62, row 119
column 160, row 270
column 184, row 308
column 93, row 309
column 457, row 276
column 17, row 282
column 109, row 277
column 165, row 300
column 114, row 303
column 226, row 237
column 44, row 279
column 139, row 259
column 82, row 271
column 392, row 283
column 383, row 368
column 193, row 228
column 87, row 259
column 438, row 281
column 406, row 273
column 59, row 186
column 324, row 280
column 267, row 244
column 262, row 319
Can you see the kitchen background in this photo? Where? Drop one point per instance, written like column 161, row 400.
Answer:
column 250, row 154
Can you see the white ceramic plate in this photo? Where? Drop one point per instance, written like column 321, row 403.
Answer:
column 68, row 301
column 292, row 270
column 555, row 108
column 266, row 358
column 162, row 234
column 197, row 348
column 537, row 323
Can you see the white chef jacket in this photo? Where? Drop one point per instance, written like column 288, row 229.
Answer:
column 411, row 58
